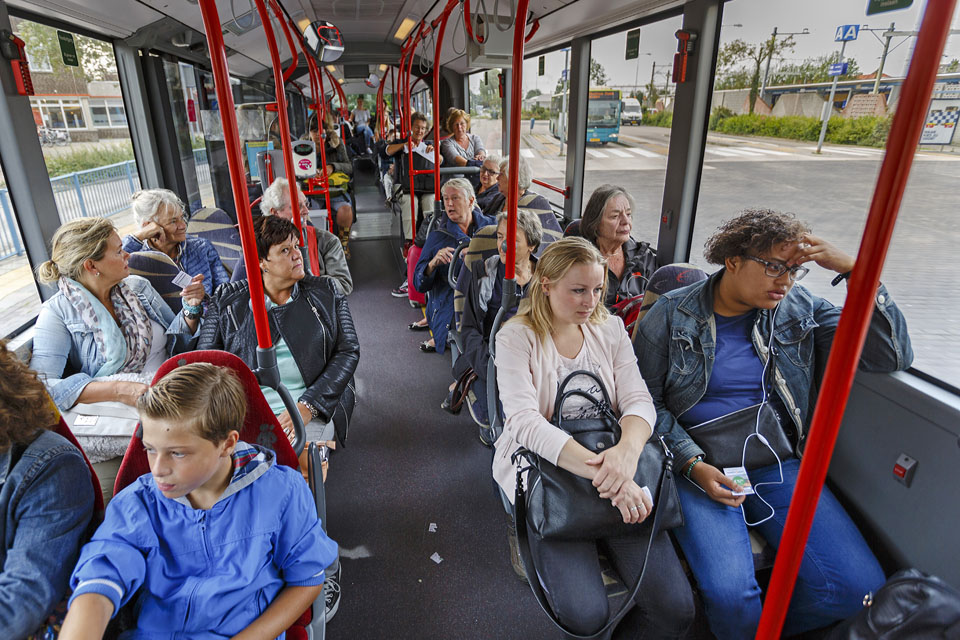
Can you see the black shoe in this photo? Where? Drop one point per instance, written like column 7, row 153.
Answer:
column 449, row 403
column 401, row 291
column 414, row 326
column 331, row 593
column 428, row 348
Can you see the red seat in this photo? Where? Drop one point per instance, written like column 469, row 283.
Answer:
column 260, row 427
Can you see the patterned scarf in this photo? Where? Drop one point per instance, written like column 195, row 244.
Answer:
column 125, row 348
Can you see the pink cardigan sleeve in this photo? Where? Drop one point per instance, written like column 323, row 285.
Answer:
column 633, row 397
column 518, row 353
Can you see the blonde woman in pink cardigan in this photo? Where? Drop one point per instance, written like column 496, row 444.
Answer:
column 564, row 329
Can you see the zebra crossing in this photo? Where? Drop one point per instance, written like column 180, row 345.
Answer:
column 733, row 152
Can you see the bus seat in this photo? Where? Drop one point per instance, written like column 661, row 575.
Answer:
column 98, row 506
column 216, row 226
column 259, row 427
column 415, row 297
column 160, row 270
column 666, row 278
column 572, row 230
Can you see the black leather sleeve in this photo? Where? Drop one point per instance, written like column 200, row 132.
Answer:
column 325, row 392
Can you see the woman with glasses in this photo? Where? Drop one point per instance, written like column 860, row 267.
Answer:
column 702, row 350
column 489, row 184
column 162, row 226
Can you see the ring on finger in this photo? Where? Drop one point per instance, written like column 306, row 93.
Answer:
column 634, row 508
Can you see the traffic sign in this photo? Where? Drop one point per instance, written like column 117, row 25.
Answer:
column 881, row 6
column 563, row 74
column 68, row 48
column 838, row 69
column 633, row 44
column 847, row 32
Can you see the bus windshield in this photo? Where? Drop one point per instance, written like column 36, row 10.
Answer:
column 603, row 112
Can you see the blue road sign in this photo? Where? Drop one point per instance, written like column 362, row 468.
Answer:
column 838, row 69
column 847, row 32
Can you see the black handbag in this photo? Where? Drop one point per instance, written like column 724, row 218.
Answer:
column 722, row 439
column 911, row 604
column 562, row 505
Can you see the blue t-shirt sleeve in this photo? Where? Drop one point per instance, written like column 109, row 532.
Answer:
column 303, row 549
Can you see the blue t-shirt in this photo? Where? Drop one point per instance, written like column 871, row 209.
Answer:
column 735, row 382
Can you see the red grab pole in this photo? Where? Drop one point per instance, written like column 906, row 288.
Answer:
column 231, row 138
column 516, row 98
column 281, row 97
column 855, row 318
column 436, row 98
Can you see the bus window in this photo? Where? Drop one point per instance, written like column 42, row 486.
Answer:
column 485, row 117
column 544, row 121
column 766, row 157
column 629, row 153
column 184, row 98
column 17, row 286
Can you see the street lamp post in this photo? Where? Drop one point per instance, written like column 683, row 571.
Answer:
column 773, row 40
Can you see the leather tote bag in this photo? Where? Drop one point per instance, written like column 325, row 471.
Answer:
column 560, row 505
column 910, row 605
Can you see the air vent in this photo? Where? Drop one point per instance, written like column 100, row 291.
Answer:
column 243, row 23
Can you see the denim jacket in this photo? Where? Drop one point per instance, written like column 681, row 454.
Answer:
column 676, row 341
column 197, row 256
column 60, row 336
column 46, row 502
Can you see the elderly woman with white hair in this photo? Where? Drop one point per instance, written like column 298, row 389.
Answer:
column 162, row 223
column 462, row 219
column 527, row 199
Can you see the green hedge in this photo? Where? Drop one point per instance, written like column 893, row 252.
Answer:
column 59, row 164
column 868, row 131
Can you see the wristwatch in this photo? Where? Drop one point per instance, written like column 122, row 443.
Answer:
column 314, row 412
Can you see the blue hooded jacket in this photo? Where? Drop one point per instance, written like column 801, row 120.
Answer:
column 206, row 574
column 440, row 301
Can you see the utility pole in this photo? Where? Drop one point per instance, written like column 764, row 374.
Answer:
column 883, row 58
column 562, row 119
column 829, row 105
column 773, row 40
column 666, row 83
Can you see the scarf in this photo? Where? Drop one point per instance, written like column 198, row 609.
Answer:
column 125, row 348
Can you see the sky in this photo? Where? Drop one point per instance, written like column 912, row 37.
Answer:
column 758, row 18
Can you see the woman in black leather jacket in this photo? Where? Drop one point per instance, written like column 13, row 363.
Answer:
column 311, row 327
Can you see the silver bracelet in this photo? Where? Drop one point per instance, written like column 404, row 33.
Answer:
column 314, row 412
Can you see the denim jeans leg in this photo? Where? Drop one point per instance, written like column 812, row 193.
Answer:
column 570, row 574
column 716, row 544
column 664, row 605
column 838, row 568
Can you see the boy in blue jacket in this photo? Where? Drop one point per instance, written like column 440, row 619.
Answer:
column 217, row 541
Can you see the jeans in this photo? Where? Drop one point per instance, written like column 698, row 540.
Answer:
column 570, row 574
column 838, row 568
column 367, row 134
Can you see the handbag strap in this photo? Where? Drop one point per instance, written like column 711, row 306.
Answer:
column 523, row 542
column 562, row 390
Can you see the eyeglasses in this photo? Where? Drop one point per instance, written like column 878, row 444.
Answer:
column 174, row 221
column 490, row 171
column 777, row 269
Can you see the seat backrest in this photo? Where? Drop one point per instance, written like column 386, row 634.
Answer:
column 548, row 220
column 260, row 426
column 218, row 227
column 98, row 506
column 667, row 278
column 160, row 270
column 482, row 245
column 572, row 230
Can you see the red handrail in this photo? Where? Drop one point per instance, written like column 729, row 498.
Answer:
column 533, row 30
column 436, row 96
column 565, row 191
column 467, row 21
column 421, row 32
column 281, row 98
column 854, row 320
column 231, row 139
column 513, row 173
column 295, row 57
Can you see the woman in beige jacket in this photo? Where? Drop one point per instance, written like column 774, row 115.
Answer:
column 567, row 329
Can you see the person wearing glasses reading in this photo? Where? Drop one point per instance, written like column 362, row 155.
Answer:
column 162, row 226
column 703, row 351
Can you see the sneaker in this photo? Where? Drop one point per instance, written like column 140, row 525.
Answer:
column 401, row 291
column 331, row 593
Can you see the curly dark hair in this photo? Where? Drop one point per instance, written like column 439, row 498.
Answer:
column 753, row 232
column 25, row 407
